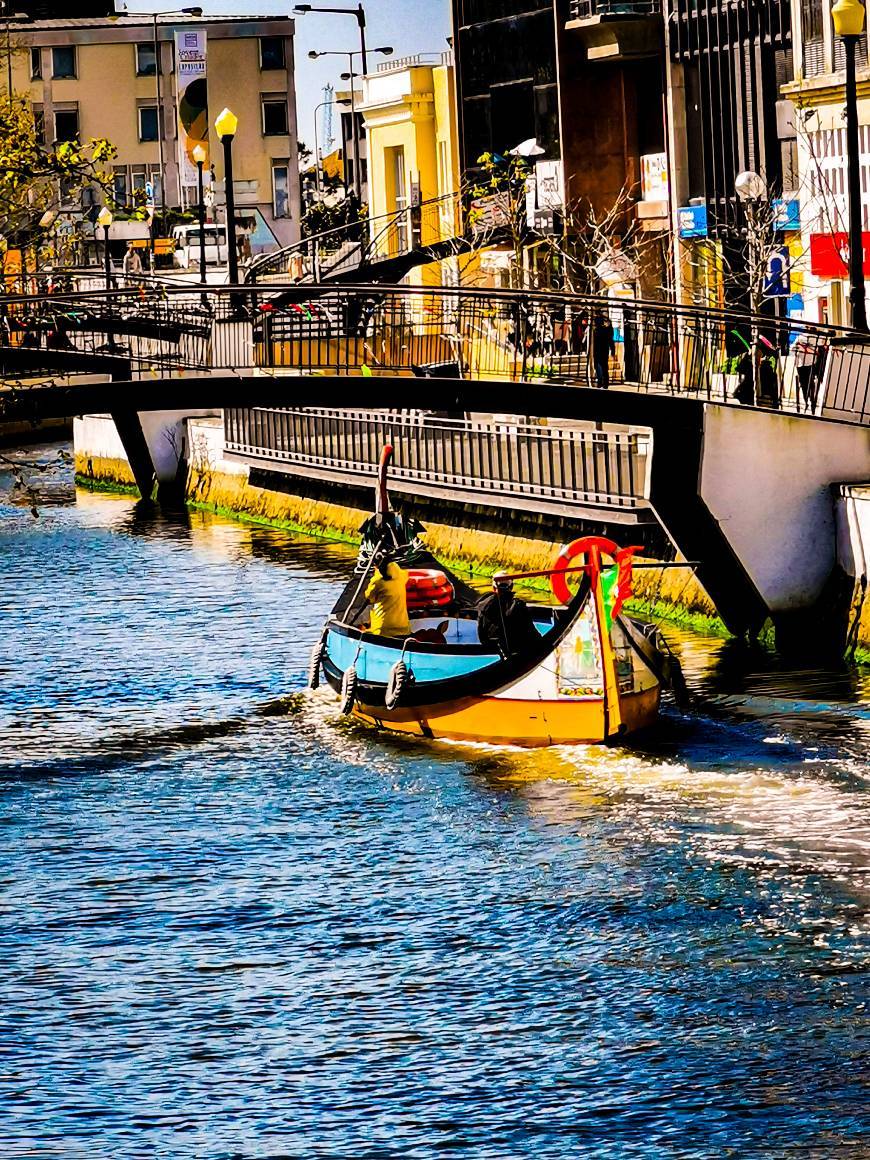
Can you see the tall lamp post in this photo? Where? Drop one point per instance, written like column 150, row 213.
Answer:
column 848, row 17
column 105, row 219
column 384, row 50
column 199, row 157
column 226, row 125
column 157, row 72
column 317, row 157
column 358, row 13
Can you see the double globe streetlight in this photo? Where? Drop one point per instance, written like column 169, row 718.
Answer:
column 848, row 17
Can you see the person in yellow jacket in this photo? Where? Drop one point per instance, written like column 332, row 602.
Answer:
column 386, row 592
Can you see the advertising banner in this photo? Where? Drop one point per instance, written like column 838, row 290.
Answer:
column 190, row 72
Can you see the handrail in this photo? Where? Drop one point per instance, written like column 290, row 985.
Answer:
column 366, row 241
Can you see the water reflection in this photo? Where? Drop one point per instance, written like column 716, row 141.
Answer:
column 237, row 924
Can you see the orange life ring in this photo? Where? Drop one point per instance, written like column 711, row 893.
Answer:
column 570, row 552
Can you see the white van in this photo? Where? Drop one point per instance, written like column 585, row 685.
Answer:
column 187, row 246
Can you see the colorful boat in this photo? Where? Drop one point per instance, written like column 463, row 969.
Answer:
column 591, row 675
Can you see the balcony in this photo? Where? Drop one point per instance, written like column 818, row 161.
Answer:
column 617, row 29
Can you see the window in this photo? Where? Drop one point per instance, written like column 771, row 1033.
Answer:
column 39, row 124
column 63, row 61
column 148, row 123
column 119, row 185
column 271, row 52
column 66, row 124
column 280, row 189
column 813, row 36
column 274, row 116
column 146, row 60
column 35, row 63
column 139, row 179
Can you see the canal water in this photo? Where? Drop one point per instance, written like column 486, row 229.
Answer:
column 233, row 925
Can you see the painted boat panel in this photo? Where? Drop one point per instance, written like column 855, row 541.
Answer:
column 502, row 721
column 373, row 661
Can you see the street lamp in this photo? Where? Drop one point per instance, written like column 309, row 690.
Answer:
column 199, row 156
column 384, row 50
column 358, row 13
column 317, row 157
column 105, row 219
column 226, row 125
column 157, row 72
column 848, row 17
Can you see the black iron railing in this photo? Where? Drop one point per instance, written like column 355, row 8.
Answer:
column 513, row 336
column 511, row 463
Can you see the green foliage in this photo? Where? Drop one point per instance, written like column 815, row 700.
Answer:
column 34, row 176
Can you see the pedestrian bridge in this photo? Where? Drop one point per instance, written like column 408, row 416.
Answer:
column 490, row 396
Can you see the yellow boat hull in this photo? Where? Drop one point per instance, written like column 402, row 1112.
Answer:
column 501, row 720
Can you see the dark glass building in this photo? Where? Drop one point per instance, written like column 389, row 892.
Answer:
column 506, row 76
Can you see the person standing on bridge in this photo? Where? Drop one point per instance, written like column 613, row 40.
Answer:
column 132, row 266
column 603, row 346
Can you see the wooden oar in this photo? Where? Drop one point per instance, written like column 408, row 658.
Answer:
column 582, row 568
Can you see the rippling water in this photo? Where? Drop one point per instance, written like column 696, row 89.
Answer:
column 235, row 926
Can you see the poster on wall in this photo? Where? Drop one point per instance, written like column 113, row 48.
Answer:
column 190, row 69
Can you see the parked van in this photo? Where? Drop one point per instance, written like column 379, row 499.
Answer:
column 187, row 246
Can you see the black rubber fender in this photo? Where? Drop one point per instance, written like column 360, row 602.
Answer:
column 315, row 663
column 348, row 689
column 396, row 682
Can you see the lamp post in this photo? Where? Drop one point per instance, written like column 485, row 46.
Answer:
column 226, row 125
column 848, row 17
column 359, row 15
column 384, row 50
column 105, row 219
column 317, row 158
column 199, row 156
column 157, row 72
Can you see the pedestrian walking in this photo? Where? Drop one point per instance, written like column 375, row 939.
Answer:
column 603, row 346
column 132, row 266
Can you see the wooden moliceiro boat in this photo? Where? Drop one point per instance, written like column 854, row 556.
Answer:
column 591, row 676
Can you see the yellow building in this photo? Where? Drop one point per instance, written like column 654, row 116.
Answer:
column 98, row 77
column 409, row 108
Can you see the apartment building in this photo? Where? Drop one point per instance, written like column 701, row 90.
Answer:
column 107, row 76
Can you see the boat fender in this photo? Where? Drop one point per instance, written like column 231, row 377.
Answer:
column 316, row 660
column 348, row 689
column 396, row 682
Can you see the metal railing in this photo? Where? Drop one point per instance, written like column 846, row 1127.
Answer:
column 512, row 336
column 510, row 463
column 355, row 244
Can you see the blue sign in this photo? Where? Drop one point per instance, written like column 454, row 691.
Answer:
column 786, row 213
column 692, row 221
column 777, row 283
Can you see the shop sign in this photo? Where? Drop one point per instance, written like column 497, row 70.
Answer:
column 544, row 195
column 829, row 254
column 786, row 213
column 654, row 176
column 692, row 221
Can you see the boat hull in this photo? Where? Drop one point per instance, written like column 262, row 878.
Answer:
column 503, row 720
